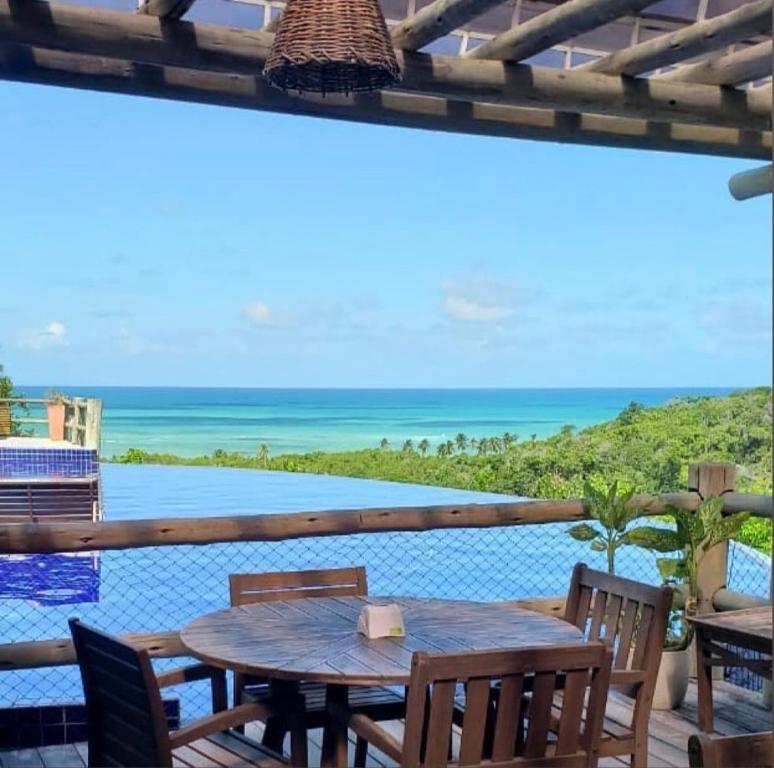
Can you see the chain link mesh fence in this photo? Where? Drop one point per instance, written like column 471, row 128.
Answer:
column 162, row 588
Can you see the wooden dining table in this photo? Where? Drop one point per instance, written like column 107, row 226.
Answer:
column 723, row 640
column 316, row 640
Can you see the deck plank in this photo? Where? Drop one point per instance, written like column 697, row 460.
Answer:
column 737, row 711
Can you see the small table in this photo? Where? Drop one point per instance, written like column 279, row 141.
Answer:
column 748, row 629
column 316, row 640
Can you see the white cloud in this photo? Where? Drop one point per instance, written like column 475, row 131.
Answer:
column 258, row 313
column 53, row 335
column 479, row 300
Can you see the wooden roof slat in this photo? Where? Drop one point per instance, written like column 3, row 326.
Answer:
column 436, row 20
column 751, row 63
column 143, row 39
column 709, row 35
column 554, row 26
column 272, row 25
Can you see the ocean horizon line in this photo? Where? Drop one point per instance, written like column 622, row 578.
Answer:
column 616, row 388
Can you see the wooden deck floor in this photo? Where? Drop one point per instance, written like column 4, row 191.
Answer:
column 736, row 711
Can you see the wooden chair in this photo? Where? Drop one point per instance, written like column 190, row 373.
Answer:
column 633, row 618
column 127, row 726
column 751, row 750
column 377, row 703
column 521, row 732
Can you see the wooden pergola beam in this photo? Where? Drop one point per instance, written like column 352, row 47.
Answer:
column 710, row 35
column 751, row 63
column 144, row 39
column 436, row 20
column 25, row 64
column 554, row 26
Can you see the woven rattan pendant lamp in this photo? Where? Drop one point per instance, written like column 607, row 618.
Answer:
column 332, row 46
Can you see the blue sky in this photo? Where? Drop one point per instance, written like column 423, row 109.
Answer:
column 150, row 242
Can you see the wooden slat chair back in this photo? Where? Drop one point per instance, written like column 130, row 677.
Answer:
column 127, row 726
column 750, row 750
column 246, row 588
column 125, row 714
column 633, row 618
column 521, row 725
column 5, row 420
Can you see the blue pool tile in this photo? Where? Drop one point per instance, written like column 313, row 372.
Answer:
column 75, row 714
column 52, row 716
column 53, row 462
column 53, row 734
column 76, row 733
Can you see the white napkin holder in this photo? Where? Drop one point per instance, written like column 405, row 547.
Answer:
column 381, row 621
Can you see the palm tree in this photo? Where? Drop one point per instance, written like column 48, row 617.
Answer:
column 263, row 455
column 474, row 443
column 442, row 450
column 461, row 441
column 533, row 437
column 408, row 446
column 384, row 443
column 497, row 444
column 449, row 447
column 483, row 446
column 509, row 440
column 424, row 444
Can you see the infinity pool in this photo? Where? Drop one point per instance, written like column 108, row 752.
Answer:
column 161, row 588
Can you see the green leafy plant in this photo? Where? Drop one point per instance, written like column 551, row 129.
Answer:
column 613, row 514
column 695, row 533
column 16, row 409
column 55, row 397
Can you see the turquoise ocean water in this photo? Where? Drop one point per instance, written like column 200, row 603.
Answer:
column 196, row 421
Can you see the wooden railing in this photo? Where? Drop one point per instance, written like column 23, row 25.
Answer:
column 83, row 418
column 704, row 479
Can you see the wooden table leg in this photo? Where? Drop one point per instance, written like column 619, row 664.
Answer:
column 334, row 746
column 704, row 682
column 289, row 703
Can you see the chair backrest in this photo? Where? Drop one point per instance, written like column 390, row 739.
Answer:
column 751, row 750
column 434, row 683
column 248, row 588
column 125, row 715
column 631, row 616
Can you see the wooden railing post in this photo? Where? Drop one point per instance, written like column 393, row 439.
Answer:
column 712, row 479
column 93, row 424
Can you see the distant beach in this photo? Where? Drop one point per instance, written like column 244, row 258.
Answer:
column 196, row 421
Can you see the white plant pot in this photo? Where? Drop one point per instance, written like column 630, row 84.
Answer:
column 672, row 679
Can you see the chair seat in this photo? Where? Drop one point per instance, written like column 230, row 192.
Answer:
column 378, row 703
column 225, row 750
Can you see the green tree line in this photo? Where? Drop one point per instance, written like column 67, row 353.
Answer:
column 645, row 449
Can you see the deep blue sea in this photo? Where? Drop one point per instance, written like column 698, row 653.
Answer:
column 191, row 421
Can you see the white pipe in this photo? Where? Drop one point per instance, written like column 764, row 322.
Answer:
column 754, row 183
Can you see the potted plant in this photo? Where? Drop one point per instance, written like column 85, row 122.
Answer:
column 55, row 407
column 613, row 512
column 695, row 533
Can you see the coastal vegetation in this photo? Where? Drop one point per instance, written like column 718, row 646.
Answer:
column 8, row 392
column 642, row 449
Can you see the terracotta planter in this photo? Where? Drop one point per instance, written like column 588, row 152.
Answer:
column 672, row 679
column 56, row 420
